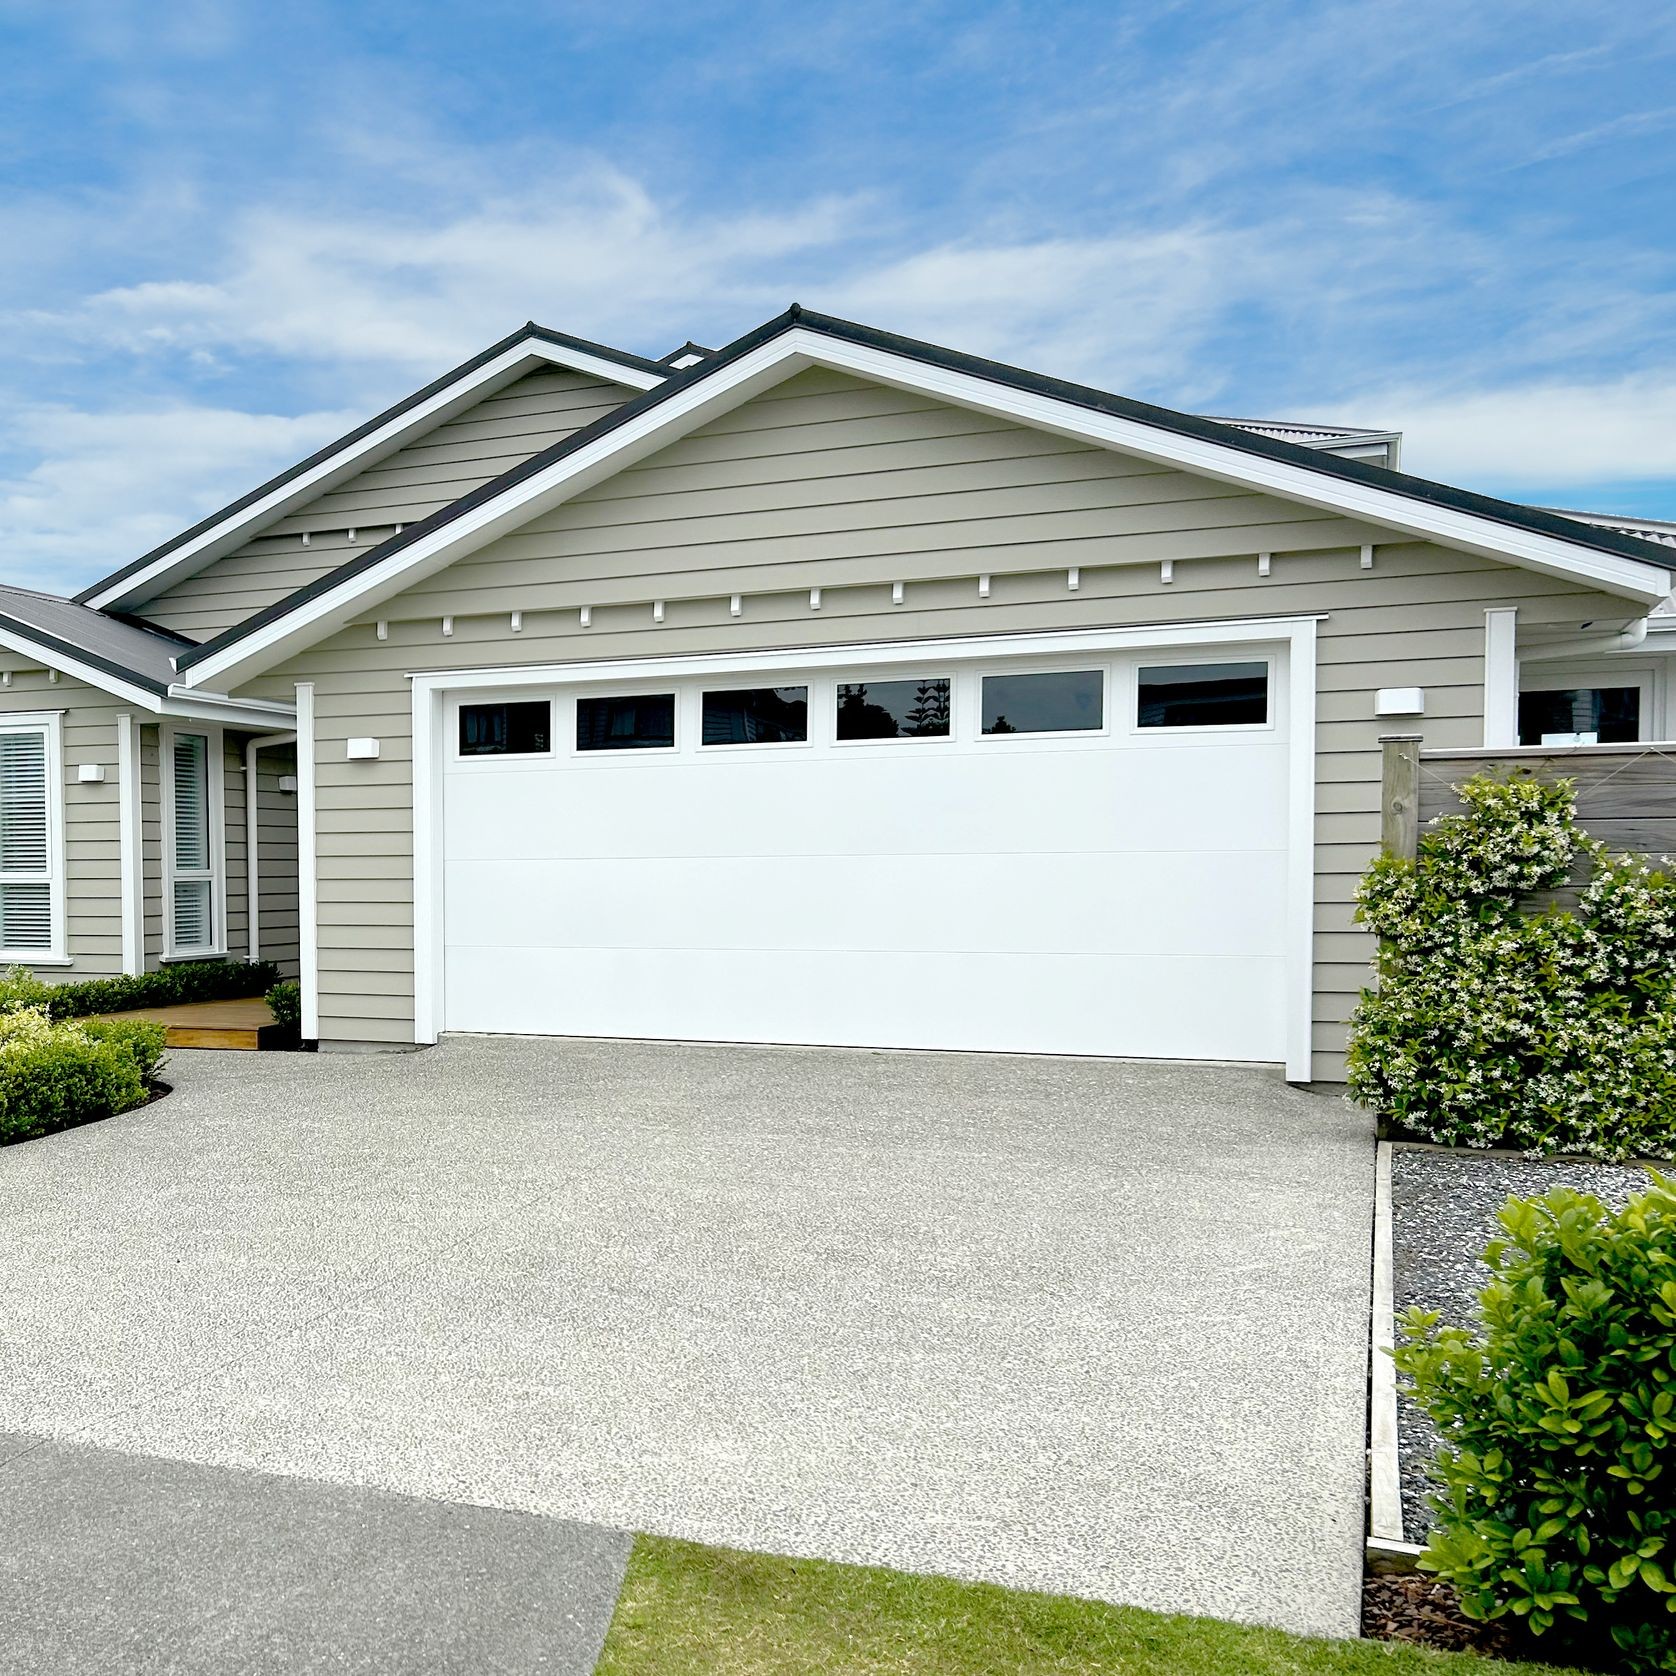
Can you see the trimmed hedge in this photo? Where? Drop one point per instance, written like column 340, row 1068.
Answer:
column 55, row 1076
column 285, row 1002
column 170, row 986
column 1558, row 1420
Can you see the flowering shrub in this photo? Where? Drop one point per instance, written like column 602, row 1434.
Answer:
column 1558, row 1418
column 1497, row 1023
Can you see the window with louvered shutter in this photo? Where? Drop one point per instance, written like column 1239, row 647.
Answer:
column 27, row 884
column 192, row 879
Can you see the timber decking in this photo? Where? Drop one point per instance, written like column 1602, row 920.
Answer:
column 247, row 1024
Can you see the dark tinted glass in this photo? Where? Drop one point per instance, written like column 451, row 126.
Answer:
column 756, row 716
column 1204, row 695
column 1611, row 714
column 643, row 721
column 505, row 729
column 1057, row 703
column 893, row 709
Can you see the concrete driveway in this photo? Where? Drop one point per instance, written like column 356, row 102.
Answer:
column 1076, row 1325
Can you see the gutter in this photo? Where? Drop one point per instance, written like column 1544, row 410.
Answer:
column 1590, row 645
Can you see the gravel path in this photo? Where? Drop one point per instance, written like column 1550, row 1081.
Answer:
column 1443, row 1211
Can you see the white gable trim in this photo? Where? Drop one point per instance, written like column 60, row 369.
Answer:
column 236, row 528
column 801, row 347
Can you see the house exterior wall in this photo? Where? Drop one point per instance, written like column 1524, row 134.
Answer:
column 539, row 409
column 833, row 483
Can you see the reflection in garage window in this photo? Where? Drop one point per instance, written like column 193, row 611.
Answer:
column 1204, row 695
column 757, row 716
column 639, row 721
column 505, row 729
column 1063, row 702
column 893, row 709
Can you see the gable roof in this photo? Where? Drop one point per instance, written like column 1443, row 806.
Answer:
column 442, row 399
column 1545, row 541
column 131, row 661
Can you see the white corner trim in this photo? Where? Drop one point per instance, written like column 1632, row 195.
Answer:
column 428, row 874
column 129, row 844
column 447, row 403
column 308, row 878
column 1501, row 676
column 793, row 351
column 1297, row 634
column 1300, row 867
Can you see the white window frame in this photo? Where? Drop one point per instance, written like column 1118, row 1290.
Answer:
column 1271, row 696
column 1559, row 676
column 1062, row 666
column 215, row 770
column 50, row 724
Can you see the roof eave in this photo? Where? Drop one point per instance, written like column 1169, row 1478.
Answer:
column 500, row 364
column 1427, row 511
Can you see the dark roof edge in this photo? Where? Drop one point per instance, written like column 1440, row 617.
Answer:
column 78, row 654
column 546, row 334
column 1080, row 395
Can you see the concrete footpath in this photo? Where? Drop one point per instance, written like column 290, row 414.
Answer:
column 114, row 1564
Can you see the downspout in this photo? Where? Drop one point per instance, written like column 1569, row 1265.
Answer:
column 1625, row 640
column 252, row 818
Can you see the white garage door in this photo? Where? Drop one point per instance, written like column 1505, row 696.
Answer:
column 1076, row 855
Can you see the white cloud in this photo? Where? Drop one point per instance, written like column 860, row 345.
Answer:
column 106, row 487
column 1584, row 432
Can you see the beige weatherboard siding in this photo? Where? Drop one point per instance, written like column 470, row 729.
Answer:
column 831, row 483
column 496, row 434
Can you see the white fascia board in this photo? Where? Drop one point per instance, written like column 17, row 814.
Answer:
column 51, row 658
column 1233, row 631
column 234, row 712
column 1466, row 531
column 448, row 403
column 798, row 349
column 619, row 448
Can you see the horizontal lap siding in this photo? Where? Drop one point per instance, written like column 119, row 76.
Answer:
column 500, row 431
column 835, row 484
column 276, row 813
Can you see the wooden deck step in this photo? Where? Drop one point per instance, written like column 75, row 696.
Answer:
column 246, row 1025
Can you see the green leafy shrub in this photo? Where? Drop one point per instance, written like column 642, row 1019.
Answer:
column 169, row 986
column 1496, row 1022
column 54, row 1076
column 1559, row 1425
column 285, row 1002
column 143, row 1038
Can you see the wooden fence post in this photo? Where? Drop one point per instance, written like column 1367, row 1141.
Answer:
column 1399, row 802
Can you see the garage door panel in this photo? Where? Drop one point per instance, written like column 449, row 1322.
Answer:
column 1146, row 1006
column 1156, row 902
column 879, row 802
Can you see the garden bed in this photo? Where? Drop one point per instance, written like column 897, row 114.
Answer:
column 1444, row 1204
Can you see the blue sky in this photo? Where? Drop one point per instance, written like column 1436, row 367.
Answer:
column 231, row 231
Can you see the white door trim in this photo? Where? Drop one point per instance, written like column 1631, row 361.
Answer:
column 1297, row 634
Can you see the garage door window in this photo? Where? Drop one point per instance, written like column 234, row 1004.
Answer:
column 1070, row 701
column 894, row 709
column 1204, row 695
column 641, row 721
column 757, row 716
column 488, row 730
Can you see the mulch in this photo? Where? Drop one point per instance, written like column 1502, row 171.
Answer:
column 1413, row 1607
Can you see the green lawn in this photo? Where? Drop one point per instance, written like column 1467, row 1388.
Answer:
column 687, row 1610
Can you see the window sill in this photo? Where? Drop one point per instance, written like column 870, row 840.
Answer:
column 28, row 957
column 179, row 955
